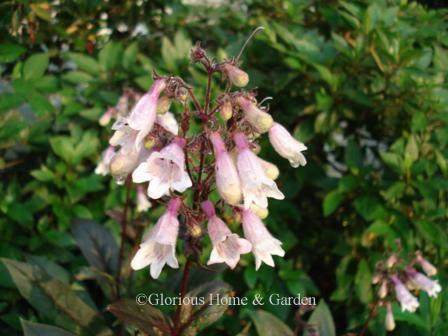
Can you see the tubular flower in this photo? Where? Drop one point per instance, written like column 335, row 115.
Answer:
column 168, row 122
column 260, row 120
column 256, row 186
column 143, row 203
column 407, row 300
column 286, row 146
column 164, row 170
column 227, row 179
column 432, row 287
column 143, row 115
column 389, row 322
column 227, row 246
column 236, row 76
column 427, row 267
column 159, row 247
column 103, row 166
column 264, row 245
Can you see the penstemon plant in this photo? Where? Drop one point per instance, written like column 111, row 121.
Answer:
column 180, row 166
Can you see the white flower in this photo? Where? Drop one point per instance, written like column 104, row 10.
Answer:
column 103, row 166
column 407, row 300
column 168, row 122
column 164, row 170
column 159, row 247
column 286, row 146
column 263, row 244
column 227, row 246
column 256, row 186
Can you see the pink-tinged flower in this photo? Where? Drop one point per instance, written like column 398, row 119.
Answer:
column 427, row 267
column 143, row 203
column 421, row 281
column 227, row 179
column 103, row 166
column 264, row 245
column 286, row 146
column 389, row 322
column 256, row 186
column 164, row 170
column 227, row 246
column 143, row 115
column 407, row 300
column 107, row 116
column 258, row 119
column 168, row 122
column 159, row 247
column 236, row 76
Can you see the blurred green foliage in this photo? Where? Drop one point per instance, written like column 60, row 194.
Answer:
column 362, row 83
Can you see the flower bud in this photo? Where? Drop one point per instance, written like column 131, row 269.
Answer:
column 257, row 118
column 389, row 322
column 376, row 278
column 262, row 213
column 270, row 169
column 163, row 104
column 107, row 116
column 226, row 111
column 427, row 267
column 227, row 179
column 391, row 261
column 196, row 231
column 382, row 292
column 236, row 76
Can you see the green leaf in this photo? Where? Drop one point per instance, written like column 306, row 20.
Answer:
column 322, row 320
column 363, row 280
column 130, row 55
column 10, row 52
column 39, row 329
column 145, row 317
column 269, row 325
column 332, row 201
column 85, row 63
column 353, row 156
column 110, row 56
column 51, row 297
column 410, row 152
column 35, row 66
column 97, row 245
column 77, row 77
column 209, row 312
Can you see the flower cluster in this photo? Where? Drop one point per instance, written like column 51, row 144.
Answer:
column 397, row 277
column 168, row 159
